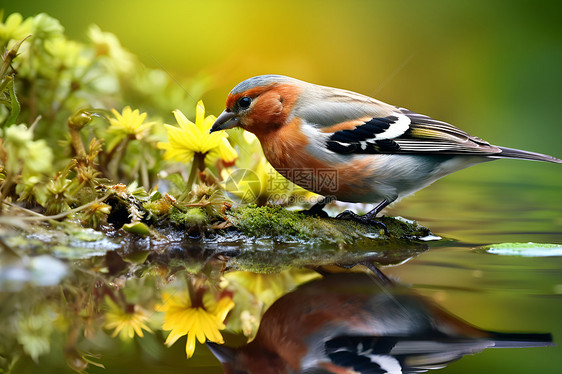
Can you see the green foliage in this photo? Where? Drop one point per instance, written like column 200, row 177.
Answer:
column 71, row 127
column 86, row 158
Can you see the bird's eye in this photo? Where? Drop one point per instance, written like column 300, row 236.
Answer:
column 245, row 102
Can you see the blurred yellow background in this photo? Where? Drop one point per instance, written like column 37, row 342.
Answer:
column 492, row 68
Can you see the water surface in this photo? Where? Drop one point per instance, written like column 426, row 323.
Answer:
column 474, row 208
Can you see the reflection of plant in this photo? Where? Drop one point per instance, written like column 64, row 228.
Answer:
column 34, row 333
column 199, row 314
column 257, row 292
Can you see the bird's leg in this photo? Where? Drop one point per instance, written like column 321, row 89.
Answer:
column 378, row 272
column 367, row 218
column 376, row 210
column 318, row 208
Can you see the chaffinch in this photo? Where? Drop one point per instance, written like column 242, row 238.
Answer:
column 351, row 147
column 348, row 323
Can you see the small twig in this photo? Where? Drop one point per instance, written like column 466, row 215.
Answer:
column 115, row 157
column 12, row 205
column 41, row 217
column 34, row 124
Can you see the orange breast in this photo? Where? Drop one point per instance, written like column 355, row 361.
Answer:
column 286, row 150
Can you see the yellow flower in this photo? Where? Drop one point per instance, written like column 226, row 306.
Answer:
column 126, row 322
column 130, row 122
column 67, row 53
column 15, row 27
column 183, row 317
column 108, row 46
column 46, row 27
column 194, row 138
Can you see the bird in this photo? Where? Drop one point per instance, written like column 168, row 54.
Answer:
column 349, row 323
column 350, row 147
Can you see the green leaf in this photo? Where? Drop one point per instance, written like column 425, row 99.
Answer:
column 15, row 104
column 177, row 181
column 156, row 195
column 138, row 228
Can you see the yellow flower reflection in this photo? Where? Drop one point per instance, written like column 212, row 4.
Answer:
column 126, row 322
column 184, row 317
column 269, row 287
column 189, row 139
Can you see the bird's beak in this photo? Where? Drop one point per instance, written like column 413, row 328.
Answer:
column 223, row 353
column 226, row 120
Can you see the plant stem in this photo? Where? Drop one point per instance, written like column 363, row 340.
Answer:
column 114, row 167
column 76, row 141
column 192, row 174
column 198, row 165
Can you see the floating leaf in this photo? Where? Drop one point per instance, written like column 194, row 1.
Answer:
column 525, row 249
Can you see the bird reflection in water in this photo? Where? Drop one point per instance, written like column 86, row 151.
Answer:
column 350, row 323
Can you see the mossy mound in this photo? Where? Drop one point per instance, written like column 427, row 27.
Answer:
column 259, row 239
column 283, row 225
column 274, row 239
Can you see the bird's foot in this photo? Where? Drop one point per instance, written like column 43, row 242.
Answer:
column 366, row 219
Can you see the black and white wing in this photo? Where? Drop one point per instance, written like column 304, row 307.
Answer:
column 407, row 132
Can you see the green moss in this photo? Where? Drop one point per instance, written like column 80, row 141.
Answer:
column 191, row 217
column 261, row 239
column 280, row 224
column 157, row 207
column 277, row 239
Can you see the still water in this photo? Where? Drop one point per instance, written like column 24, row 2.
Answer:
column 52, row 328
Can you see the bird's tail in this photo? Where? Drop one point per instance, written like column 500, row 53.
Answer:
column 525, row 155
column 522, row 340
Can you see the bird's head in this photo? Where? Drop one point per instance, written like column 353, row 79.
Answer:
column 260, row 104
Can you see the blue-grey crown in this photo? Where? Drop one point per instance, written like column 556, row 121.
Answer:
column 258, row 81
